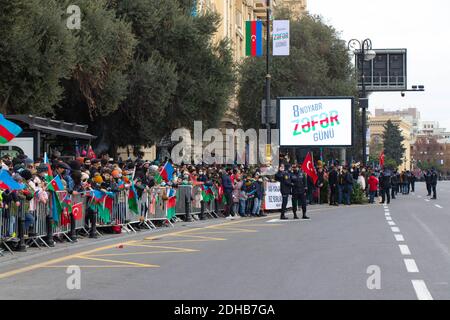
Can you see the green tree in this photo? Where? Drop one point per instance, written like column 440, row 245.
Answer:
column 393, row 142
column 318, row 65
column 36, row 52
column 179, row 74
column 104, row 49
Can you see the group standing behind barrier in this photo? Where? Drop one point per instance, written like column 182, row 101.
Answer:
column 31, row 222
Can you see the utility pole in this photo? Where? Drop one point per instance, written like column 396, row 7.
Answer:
column 268, row 78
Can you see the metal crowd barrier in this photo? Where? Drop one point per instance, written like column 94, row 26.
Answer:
column 157, row 209
column 142, row 216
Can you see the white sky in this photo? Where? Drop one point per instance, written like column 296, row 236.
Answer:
column 421, row 26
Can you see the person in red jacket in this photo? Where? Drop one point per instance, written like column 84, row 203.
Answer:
column 373, row 187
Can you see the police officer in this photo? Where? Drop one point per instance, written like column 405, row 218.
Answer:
column 284, row 178
column 385, row 185
column 428, row 179
column 299, row 189
column 434, row 180
column 394, row 182
column 333, row 182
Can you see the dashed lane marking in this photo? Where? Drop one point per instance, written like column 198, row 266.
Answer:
column 395, row 229
column 411, row 266
column 421, row 290
column 399, row 237
column 404, row 249
column 391, row 223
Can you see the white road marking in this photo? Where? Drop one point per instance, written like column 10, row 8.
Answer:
column 411, row 266
column 389, row 218
column 427, row 200
column 404, row 249
column 421, row 290
column 391, row 223
column 399, row 237
column 438, row 206
column 395, row 229
column 290, row 220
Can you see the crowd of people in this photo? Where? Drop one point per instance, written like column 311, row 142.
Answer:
column 240, row 188
column 344, row 185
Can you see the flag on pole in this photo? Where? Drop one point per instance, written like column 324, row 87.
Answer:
column 308, row 167
column 132, row 199
column 382, row 159
column 77, row 211
column 47, row 163
column 166, row 173
column 56, row 207
column 254, row 40
column 8, row 130
column 7, row 182
column 171, row 207
column 91, row 153
column 56, row 184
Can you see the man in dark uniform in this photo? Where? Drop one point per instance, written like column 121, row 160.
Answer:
column 394, row 182
column 299, row 190
column 428, row 181
column 412, row 182
column 385, row 185
column 434, row 180
column 333, row 181
column 284, row 178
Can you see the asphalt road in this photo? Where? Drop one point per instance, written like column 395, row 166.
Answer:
column 325, row 258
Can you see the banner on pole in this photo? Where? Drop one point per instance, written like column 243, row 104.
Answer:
column 280, row 37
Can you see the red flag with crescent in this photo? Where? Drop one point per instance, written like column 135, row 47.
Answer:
column 382, row 159
column 308, row 168
column 77, row 211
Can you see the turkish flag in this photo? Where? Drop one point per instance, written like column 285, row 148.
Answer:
column 65, row 218
column 382, row 159
column 308, row 168
column 77, row 211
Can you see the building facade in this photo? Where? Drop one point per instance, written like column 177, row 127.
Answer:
column 376, row 127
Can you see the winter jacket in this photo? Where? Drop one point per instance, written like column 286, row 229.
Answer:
column 373, row 183
column 284, row 178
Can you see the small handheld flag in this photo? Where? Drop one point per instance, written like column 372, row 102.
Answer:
column 56, row 184
column 7, row 182
column 8, row 130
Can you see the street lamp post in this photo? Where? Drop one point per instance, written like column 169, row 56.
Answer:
column 268, row 78
column 367, row 54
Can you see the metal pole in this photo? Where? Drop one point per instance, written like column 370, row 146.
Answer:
column 268, row 100
column 363, row 115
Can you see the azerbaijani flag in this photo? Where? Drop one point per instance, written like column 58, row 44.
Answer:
column 7, row 182
column 56, row 184
column 171, row 207
column 132, row 199
column 56, row 207
column 207, row 194
column 66, row 206
column 254, row 38
column 165, row 174
column 8, row 130
column 47, row 163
